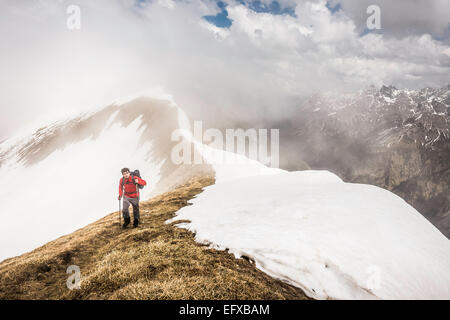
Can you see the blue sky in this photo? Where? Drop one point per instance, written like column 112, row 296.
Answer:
column 335, row 8
column 221, row 19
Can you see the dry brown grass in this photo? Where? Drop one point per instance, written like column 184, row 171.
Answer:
column 154, row 261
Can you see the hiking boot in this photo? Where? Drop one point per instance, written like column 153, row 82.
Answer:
column 126, row 222
column 135, row 223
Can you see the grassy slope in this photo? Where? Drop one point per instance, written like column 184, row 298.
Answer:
column 154, row 261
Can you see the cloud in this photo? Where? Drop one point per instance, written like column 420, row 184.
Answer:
column 261, row 66
column 399, row 18
column 402, row 18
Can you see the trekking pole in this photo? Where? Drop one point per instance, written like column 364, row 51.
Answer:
column 139, row 196
column 120, row 216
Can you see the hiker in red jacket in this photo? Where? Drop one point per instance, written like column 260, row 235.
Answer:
column 129, row 186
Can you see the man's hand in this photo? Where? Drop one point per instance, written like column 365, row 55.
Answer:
column 136, row 180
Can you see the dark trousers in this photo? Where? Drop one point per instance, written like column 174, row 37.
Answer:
column 126, row 204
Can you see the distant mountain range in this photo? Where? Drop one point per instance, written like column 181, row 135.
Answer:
column 397, row 139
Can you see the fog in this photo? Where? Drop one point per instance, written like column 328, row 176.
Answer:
column 261, row 67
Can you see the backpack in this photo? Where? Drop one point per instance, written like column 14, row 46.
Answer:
column 133, row 174
column 136, row 173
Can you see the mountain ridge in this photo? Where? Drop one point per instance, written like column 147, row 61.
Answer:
column 154, row 261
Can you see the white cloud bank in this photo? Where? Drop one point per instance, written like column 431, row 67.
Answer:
column 260, row 66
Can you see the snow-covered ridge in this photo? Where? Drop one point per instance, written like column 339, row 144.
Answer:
column 334, row 240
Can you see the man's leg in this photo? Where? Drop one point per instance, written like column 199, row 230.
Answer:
column 136, row 216
column 125, row 212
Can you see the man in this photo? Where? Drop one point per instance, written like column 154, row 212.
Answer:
column 131, row 196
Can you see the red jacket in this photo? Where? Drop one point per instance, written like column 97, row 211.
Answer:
column 130, row 186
